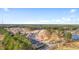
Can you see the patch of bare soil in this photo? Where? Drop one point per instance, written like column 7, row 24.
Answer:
column 1, row 37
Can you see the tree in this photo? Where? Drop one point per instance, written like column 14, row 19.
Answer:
column 68, row 36
column 16, row 42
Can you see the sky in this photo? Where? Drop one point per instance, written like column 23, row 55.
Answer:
column 39, row 16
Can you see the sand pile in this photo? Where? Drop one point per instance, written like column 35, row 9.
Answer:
column 43, row 35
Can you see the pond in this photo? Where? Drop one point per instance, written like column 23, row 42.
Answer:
column 75, row 37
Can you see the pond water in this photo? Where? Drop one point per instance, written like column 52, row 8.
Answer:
column 75, row 37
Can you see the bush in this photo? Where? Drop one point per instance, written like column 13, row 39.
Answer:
column 68, row 36
column 15, row 42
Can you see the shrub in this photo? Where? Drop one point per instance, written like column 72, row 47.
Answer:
column 16, row 42
column 68, row 36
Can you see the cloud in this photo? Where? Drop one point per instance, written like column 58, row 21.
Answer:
column 64, row 20
column 69, row 19
column 6, row 9
column 73, row 10
column 42, row 21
